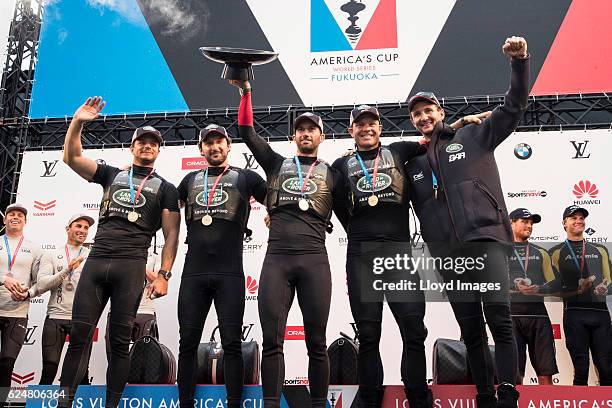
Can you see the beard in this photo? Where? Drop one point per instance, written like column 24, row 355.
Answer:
column 306, row 149
column 216, row 161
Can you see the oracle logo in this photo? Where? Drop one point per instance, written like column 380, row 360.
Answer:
column 585, row 188
column 193, row 163
column 295, row 333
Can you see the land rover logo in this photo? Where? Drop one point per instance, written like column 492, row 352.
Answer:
column 292, row 186
column 220, row 197
column 382, row 181
column 123, row 197
column 454, row 148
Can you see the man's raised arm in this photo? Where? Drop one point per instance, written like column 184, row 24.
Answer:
column 73, row 150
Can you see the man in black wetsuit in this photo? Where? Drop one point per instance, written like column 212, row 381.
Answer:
column 136, row 203
column 531, row 277
column 456, row 193
column 302, row 191
column 584, row 270
column 217, row 208
column 377, row 215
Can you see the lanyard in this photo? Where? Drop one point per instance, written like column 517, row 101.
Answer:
column 434, row 184
column 11, row 258
column 135, row 195
column 581, row 265
column 68, row 258
column 304, row 182
column 518, row 258
column 208, row 198
column 68, row 253
column 365, row 170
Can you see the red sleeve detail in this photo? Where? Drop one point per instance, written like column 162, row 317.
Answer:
column 245, row 111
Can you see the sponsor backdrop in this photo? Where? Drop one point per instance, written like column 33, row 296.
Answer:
column 544, row 172
column 330, row 51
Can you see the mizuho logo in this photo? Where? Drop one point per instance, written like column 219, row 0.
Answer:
column 124, row 198
column 454, row 148
column 219, row 197
column 293, row 186
column 382, row 181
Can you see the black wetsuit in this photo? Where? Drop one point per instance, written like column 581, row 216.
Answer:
column 213, row 271
column 115, row 270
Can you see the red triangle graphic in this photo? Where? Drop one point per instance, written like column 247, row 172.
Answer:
column 381, row 32
column 580, row 58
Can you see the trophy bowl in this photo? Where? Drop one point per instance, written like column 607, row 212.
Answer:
column 238, row 62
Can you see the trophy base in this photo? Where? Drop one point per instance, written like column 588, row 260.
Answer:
column 238, row 71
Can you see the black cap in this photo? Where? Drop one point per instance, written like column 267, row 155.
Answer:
column 524, row 214
column 147, row 130
column 212, row 129
column 316, row 119
column 423, row 97
column 362, row 110
column 569, row 211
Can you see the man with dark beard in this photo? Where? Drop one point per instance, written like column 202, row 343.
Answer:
column 135, row 204
column 302, row 191
column 217, row 205
column 456, row 192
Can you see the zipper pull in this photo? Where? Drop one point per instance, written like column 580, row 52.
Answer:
column 435, row 192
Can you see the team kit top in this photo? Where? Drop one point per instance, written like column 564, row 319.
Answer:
column 302, row 191
column 60, row 282
column 532, row 263
column 577, row 260
column 386, row 219
column 216, row 216
column 145, row 198
column 24, row 260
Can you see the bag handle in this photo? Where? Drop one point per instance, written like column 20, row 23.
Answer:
column 212, row 336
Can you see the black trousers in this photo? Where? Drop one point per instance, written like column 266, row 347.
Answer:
column 281, row 277
column 196, row 295
column 121, row 281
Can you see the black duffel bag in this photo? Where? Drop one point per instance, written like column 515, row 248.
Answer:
column 343, row 360
column 151, row 362
column 450, row 362
column 210, row 362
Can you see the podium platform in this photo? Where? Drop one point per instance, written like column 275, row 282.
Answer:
column 296, row 396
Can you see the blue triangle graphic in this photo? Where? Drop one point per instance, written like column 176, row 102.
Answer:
column 125, row 66
column 325, row 35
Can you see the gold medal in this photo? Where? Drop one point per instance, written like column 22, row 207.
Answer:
column 69, row 286
column 303, row 204
column 372, row 200
column 207, row 220
column 133, row 216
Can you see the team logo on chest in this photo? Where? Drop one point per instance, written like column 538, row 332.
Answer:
column 382, row 182
column 123, row 197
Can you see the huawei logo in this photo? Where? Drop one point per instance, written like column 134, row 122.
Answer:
column 585, row 188
column 251, row 285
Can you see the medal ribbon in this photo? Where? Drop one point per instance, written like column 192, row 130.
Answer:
column 518, row 258
column 365, row 170
column 304, row 182
column 135, row 195
column 11, row 258
column 68, row 259
column 209, row 197
column 581, row 265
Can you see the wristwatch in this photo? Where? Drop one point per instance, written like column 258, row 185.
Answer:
column 166, row 274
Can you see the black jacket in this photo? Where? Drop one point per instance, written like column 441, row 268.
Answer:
column 470, row 203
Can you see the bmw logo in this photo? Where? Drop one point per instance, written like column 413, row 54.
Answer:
column 522, row 151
